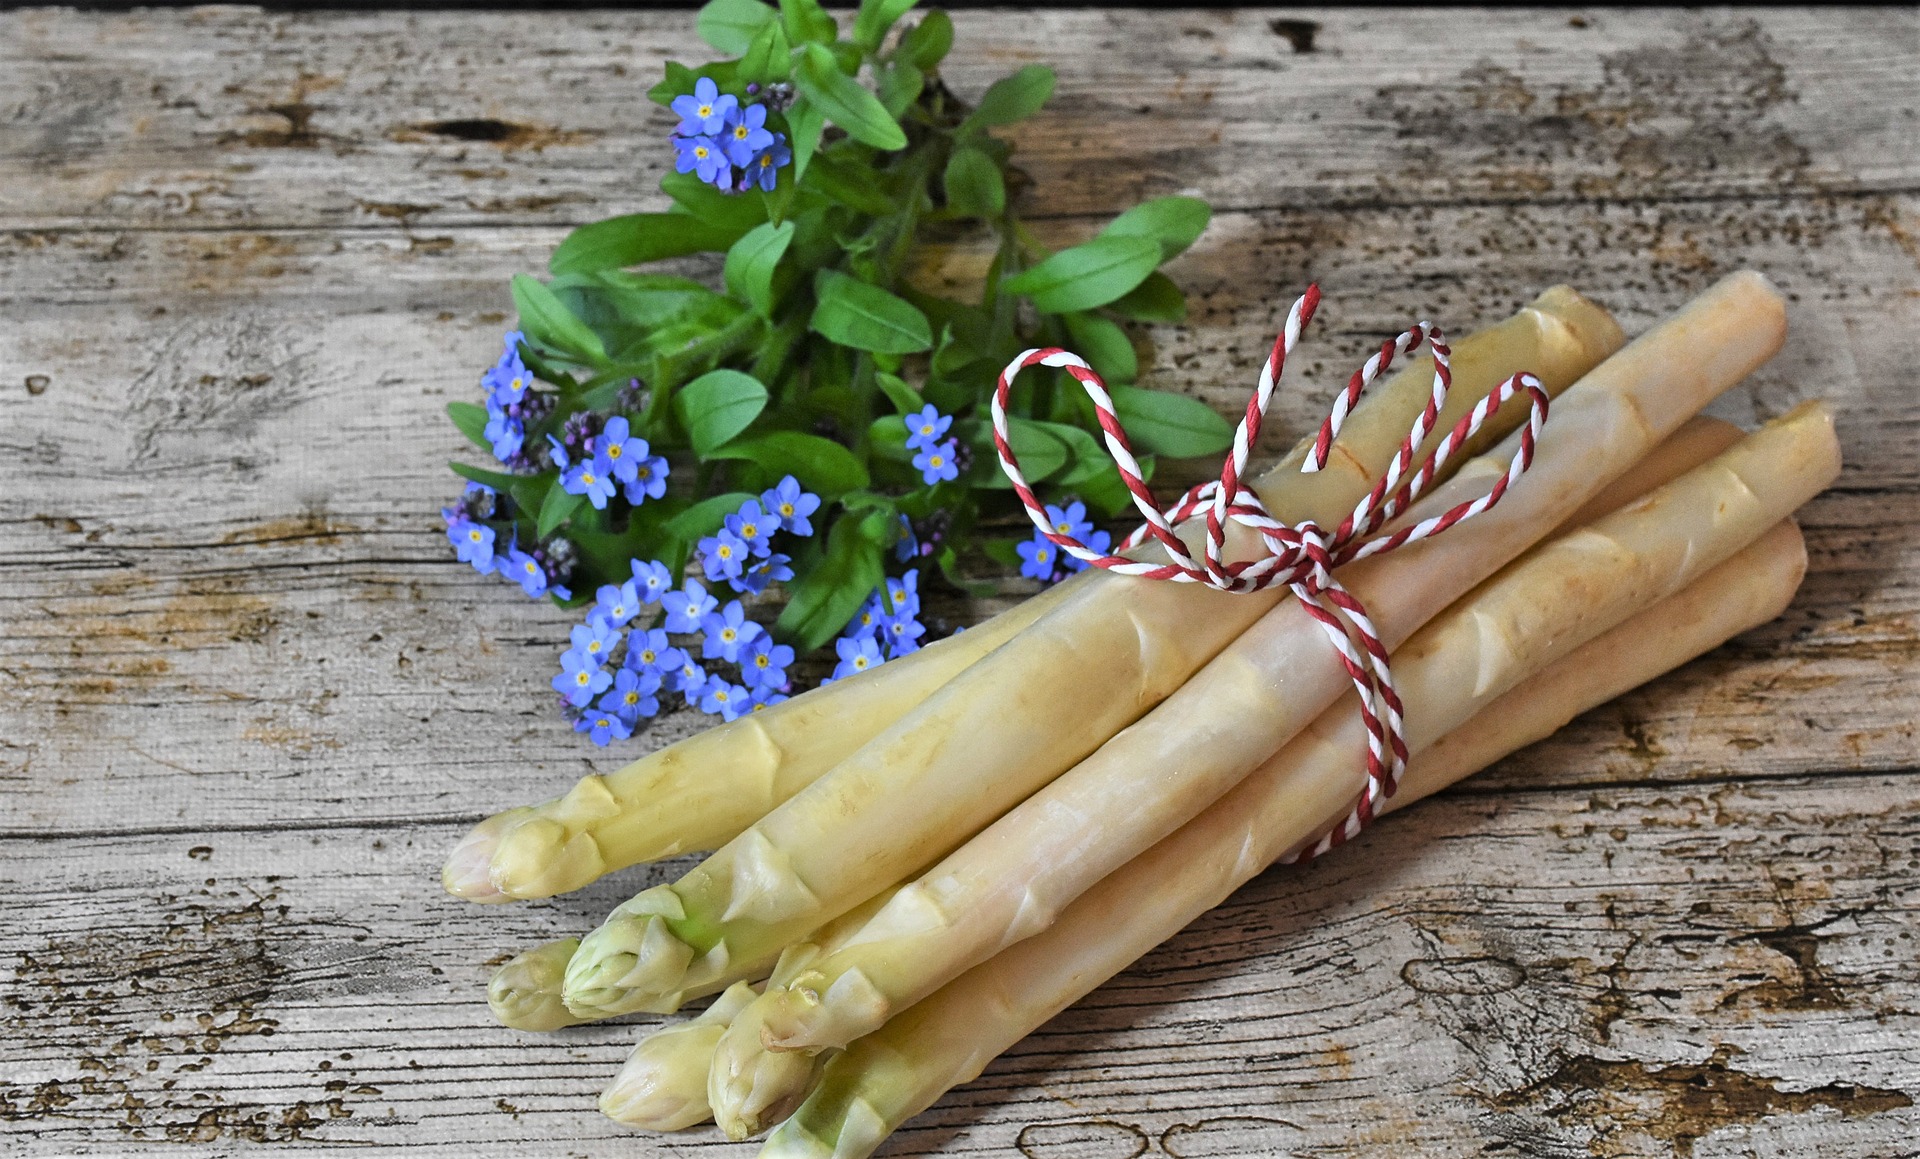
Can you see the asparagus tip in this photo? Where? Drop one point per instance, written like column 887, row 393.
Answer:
column 632, row 962
column 467, row 872
column 541, row 857
column 811, row 1015
column 663, row 1086
column 749, row 1087
column 525, row 993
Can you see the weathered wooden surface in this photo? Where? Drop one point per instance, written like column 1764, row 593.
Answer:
column 246, row 702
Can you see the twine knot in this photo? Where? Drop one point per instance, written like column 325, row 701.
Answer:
column 1303, row 556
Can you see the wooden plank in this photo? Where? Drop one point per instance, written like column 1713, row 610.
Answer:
column 1613, row 971
column 227, row 117
column 226, row 586
column 246, row 702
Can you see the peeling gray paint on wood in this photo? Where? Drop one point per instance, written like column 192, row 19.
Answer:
column 246, row 702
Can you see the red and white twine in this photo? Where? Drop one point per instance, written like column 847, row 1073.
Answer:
column 1300, row 556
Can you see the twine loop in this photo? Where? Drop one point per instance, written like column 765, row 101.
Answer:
column 1303, row 556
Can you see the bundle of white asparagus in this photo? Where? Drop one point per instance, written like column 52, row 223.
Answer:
column 921, row 864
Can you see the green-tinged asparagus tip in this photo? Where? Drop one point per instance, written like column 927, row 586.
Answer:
column 663, row 1086
column 525, row 993
column 632, row 962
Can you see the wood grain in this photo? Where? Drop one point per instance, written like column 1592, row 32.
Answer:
column 246, row 700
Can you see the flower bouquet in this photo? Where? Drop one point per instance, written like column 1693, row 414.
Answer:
column 916, row 864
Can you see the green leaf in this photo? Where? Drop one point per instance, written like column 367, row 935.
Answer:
column 904, row 398
column 821, row 601
column 853, row 185
column 1086, row 456
column 637, row 238
column 928, row 42
column 752, row 260
column 728, row 211
column 731, row 25
column 887, row 439
column 1107, row 493
column 497, row 480
column 974, row 185
column 717, row 406
column 769, row 58
column 472, row 421
column 679, row 82
column 705, row 517
column 1170, row 424
column 875, row 17
column 805, row 120
column 1156, row 299
column 805, row 20
column 1104, row 345
column 555, row 508
column 1087, row 275
column 900, row 86
column 547, row 321
column 853, row 313
column 845, row 101
column 1174, row 222
column 1039, row 452
column 1012, row 98
column 822, row 465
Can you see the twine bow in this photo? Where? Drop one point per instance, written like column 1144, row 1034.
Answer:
column 1300, row 556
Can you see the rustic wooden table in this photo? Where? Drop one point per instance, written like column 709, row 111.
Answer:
column 246, row 701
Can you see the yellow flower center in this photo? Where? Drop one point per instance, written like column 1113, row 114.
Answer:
column 859, row 661
column 646, row 657
column 633, row 698
column 749, row 531
column 739, row 132
column 646, row 473
column 721, row 696
column 474, row 535
column 727, row 635
column 938, row 461
column 760, row 661
column 706, row 110
column 583, row 679
column 614, row 449
column 700, row 151
column 766, row 161
column 786, row 510
column 724, row 552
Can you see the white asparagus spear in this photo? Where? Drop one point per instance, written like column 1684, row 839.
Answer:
column 981, row 744
column 1009, row 881
column 891, row 1075
column 745, row 1049
column 702, row 791
column 950, row 768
